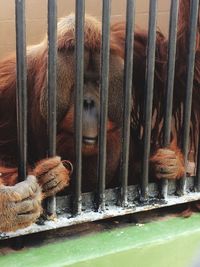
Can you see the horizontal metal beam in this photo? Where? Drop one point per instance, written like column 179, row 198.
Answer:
column 65, row 219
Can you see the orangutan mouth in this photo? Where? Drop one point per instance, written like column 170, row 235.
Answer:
column 90, row 140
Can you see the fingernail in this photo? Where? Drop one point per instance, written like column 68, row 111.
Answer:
column 68, row 165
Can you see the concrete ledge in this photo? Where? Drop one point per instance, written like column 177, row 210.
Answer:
column 173, row 242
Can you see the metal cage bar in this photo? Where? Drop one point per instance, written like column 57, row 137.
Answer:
column 189, row 87
column 21, row 93
column 79, row 58
column 198, row 169
column 104, row 83
column 52, row 59
column 128, row 72
column 170, row 80
column 149, row 95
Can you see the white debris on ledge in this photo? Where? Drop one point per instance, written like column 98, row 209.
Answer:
column 89, row 216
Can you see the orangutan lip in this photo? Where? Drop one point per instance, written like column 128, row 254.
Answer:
column 94, row 138
column 89, row 140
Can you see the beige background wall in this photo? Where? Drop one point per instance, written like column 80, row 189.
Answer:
column 36, row 13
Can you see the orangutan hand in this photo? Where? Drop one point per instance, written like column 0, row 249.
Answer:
column 20, row 205
column 52, row 175
column 167, row 163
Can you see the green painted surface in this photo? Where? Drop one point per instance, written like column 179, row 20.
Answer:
column 158, row 244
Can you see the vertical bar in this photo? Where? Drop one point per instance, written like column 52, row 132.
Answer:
column 198, row 168
column 128, row 72
column 149, row 95
column 52, row 57
column 189, row 86
column 79, row 57
column 21, row 93
column 170, row 80
column 104, row 82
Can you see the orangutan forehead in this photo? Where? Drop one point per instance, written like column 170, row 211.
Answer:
column 66, row 32
column 68, row 23
column 66, row 37
column 92, row 34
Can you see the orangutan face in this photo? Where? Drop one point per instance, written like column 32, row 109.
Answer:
column 91, row 93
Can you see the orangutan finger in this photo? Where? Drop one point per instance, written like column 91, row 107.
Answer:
column 46, row 165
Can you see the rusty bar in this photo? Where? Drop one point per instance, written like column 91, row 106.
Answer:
column 79, row 58
column 104, row 83
column 52, row 57
column 170, row 80
column 128, row 72
column 189, row 87
column 149, row 95
column 21, row 93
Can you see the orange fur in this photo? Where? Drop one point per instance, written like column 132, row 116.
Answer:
column 161, row 158
column 37, row 112
column 52, row 175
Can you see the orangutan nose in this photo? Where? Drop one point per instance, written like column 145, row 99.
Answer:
column 88, row 103
column 90, row 120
